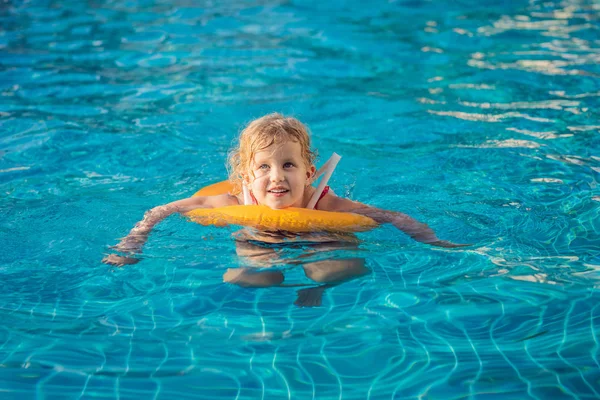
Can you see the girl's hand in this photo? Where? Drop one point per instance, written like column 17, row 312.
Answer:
column 119, row 261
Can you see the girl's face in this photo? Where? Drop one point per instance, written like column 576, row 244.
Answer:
column 280, row 176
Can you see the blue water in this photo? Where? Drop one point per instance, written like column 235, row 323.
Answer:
column 479, row 118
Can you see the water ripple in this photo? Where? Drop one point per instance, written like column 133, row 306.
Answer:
column 476, row 118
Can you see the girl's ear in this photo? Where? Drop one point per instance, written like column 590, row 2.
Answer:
column 310, row 173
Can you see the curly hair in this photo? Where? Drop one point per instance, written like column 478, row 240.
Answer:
column 258, row 135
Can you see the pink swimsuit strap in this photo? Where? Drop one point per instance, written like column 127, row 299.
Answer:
column 323, row 193
column 254, row 202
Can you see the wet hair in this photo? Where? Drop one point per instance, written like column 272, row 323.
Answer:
column 258, row 135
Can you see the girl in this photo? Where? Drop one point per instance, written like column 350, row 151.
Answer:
column 274, row 160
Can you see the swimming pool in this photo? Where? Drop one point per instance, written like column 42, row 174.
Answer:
column 479, row 118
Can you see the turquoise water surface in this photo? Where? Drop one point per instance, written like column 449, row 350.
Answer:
column 479, row 118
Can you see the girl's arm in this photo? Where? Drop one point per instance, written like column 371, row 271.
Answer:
column 415, row 229
column 137, row 237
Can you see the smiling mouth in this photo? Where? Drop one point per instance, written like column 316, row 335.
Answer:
column 278, row 191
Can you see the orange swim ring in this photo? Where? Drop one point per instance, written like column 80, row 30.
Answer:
column 300, row 220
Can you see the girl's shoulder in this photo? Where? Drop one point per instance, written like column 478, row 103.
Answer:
column 332, row 202
column 327, row 201
column 224, row 200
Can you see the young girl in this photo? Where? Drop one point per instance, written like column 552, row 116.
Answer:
column 274, row 160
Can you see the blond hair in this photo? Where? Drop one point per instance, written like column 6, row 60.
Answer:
column 258, row 135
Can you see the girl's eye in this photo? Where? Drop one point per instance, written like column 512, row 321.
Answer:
column 288, row 165
column 263, row 166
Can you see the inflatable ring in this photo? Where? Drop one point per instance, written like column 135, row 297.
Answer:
column 300, row 220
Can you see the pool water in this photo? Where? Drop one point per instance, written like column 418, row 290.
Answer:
column 479, row 118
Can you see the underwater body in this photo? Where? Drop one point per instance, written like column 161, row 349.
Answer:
column 479, row 118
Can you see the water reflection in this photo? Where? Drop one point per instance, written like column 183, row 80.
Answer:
column 327, row 260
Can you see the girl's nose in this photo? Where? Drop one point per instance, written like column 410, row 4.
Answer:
column 276, row 175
